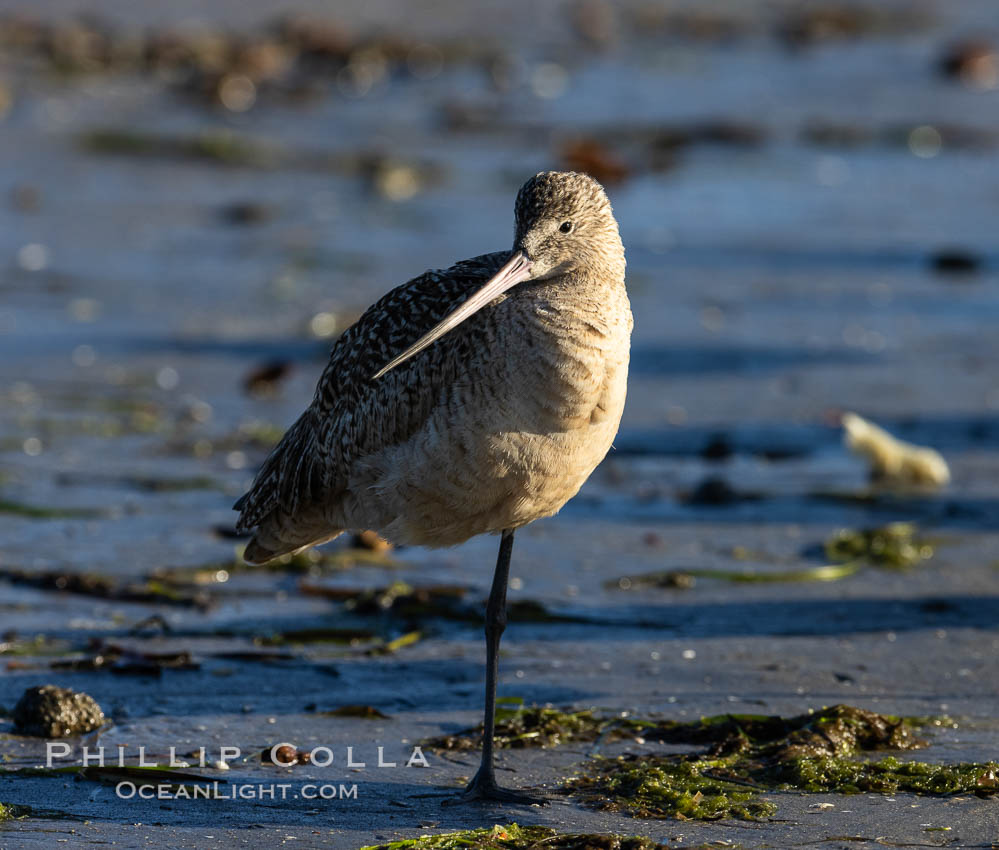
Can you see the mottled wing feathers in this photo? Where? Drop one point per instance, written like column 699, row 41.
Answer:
column 351, row 415
column 292, row 468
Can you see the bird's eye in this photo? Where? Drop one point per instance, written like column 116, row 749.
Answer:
column 566, row 227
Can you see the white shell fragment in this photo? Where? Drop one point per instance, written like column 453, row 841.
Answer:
column 894, row 461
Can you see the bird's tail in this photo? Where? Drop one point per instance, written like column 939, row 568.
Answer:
column 271, row 542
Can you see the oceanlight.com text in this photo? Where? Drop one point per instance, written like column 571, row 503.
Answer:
column 237, row 791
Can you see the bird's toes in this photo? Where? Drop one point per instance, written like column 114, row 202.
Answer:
column 479, row 791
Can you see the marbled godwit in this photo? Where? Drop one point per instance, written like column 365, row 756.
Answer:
column 471, row 400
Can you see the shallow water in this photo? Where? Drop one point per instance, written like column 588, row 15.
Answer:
column 774, row 284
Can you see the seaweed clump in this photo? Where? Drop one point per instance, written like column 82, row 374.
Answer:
column 8, row 812
column 518, row 727
column 746, row 755
column 514, row 837
column 669, row 787
column 895, row 545
column 154, row 591
column 414, row 604
column 888, row 775
column 841, row 730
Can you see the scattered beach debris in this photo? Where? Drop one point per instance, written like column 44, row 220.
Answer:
column 311, row 562
column 140, row 775
column 678, row 579
column 317, row 635
column 514, row 837
column 371, row 541
column 25, row 198
column 893, row 461
column 394, row 179
column 443, row 601
column 12, row 644
column 47, row 711
column 288, row 58
column 400, row 598
column 263, row 380
column 285, row 756
column 153, row 590
column 687, row 578
column 366, row 711
column 924, row 140
column 222, row 147
column 692, row 24
column 715, row 491
column 973, row 62
column 259, row 656
column 519, row 726
column 817, row 23
column 316, row 562
column 394, row 645
column 147, row 483
column 718, row 447
column 595, row 22
column 124, row 661
column 245, row 213
column 894, row 546
column 956, row 262
column 596, row 159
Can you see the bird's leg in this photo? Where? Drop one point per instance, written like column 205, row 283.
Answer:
column 484, row 786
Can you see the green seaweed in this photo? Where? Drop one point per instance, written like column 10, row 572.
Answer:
column 35, row 646
column 664, row 787
column 514, row 837
column 396, row 644
column 686, row 578
column 398, row 597
column 312, row 563
column 518, row 726
column 835, row 731
column 103, row 587
column 10, row 812
column 413, row 604
column 889, row 775
column 746, row 755
column 20, row 509
column 895, row 545
column 218, row 146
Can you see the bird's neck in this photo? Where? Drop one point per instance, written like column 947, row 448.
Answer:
column 562, row 305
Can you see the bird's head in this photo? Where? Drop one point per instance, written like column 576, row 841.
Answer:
column 564, row 223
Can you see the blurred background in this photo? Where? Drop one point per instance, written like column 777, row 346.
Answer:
column 196, row 199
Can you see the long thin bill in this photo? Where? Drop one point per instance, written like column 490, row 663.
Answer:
column 518, row 268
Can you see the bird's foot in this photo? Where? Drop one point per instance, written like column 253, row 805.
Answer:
column 483, row 789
